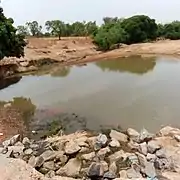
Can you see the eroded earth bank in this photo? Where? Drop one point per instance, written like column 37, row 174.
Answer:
column 77, row 50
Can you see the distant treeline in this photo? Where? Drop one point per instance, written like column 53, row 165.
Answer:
column 112, row 33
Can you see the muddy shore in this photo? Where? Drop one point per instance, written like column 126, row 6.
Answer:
column 77, row 50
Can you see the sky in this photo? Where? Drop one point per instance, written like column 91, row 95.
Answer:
column 78, row 10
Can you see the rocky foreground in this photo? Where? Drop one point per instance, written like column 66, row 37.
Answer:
column 130, row 155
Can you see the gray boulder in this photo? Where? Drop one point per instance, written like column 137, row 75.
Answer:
column 71, row 169
column 145, row 135
column 12, row 141
column 49, row 155
column 133, row 134
column 119, row 136
column 72, row 147
column 143, row 148
column 153, row 146
column 95, row 170
column 49, row 165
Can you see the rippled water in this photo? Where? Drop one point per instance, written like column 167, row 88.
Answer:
column 128, row 92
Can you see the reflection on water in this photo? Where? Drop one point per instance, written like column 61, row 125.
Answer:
column 4, row 83
column 131, row 92
column 134, row 64
column 15, row 116
column 53, row 70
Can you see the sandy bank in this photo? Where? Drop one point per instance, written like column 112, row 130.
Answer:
column 78, row 50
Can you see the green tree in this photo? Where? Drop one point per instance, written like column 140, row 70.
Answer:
column 140, row 28
column 11, row 43
column 23, row 30
column 91, row 28
column 109, row 35
column 55, row 27
column 172, row 30
column 78, row 29
column 34, row 28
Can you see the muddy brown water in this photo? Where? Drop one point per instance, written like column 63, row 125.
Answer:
column 127, row 92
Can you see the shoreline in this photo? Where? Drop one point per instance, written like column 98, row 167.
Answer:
column 81, row 155
column 79, row 51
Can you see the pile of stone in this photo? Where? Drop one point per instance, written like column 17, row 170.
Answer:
column 129, row 155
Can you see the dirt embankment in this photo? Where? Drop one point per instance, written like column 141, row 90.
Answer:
column 77, row 50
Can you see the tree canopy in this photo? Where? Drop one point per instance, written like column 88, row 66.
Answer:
column 11, row 43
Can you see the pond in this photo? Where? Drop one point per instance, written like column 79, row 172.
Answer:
column 126, row 92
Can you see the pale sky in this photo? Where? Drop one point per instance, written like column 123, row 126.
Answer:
column 72, row 10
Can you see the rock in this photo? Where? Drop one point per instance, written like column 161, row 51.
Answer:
column 116, row 156
column 142, row 159
column 113, row 168
column 145, row 135
column 169, row 131
column 100, row 142
column 32, row 161
column 118, row 136
column 19, row 144
column 26, row 141
column 103, row 152
column 50, row 174
column 161, row 153
column 24, row 64
column 4, row 150
column 16, row 149
column 84, row 150
column 133, row 134
column 114, row 143
column 7, row 105
column 105, row 165
column 72, row 147
column 150, row 170
column 88, row 157
column 95, row 170
column 43, row 170
column 133, row 159
column 109, row 175
column 163, row 164
column 143, row 148
column 12, row 141
column 91, row 141
column 177, row 137
column 28, row 151
column 17, row 169
column 151, row 157
column 61, row 157
column 36, row 161
column 153, row 146
column 82, row 141
column 133, row 145
column 132, row 173
column 71, row 169
column 102, row 139
column 49, row 155
column 123, row 174
column 49, row 165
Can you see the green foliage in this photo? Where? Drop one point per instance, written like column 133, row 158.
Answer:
column 11, row 43
column 34, row 28
column 23, row 30
column 172, row 30
column 109, row 36
column 140, row 28
column 56, row 27
column 131, row 30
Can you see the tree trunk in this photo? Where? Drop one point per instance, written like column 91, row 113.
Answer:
column 59, row 36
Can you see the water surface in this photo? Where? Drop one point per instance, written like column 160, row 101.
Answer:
column 128, row 92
